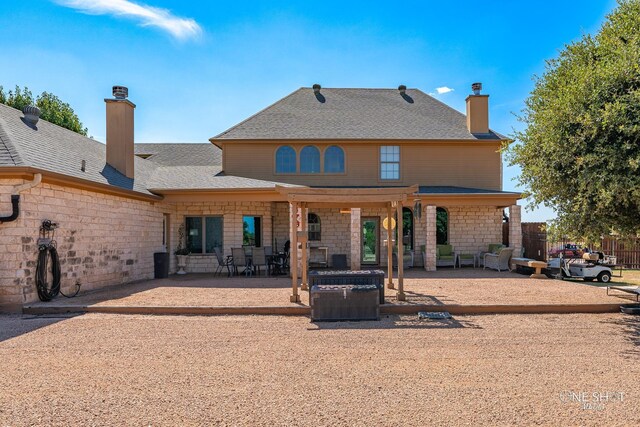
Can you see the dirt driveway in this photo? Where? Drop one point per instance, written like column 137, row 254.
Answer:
column 265, row 371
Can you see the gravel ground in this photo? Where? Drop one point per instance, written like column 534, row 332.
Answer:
column 99, row 369
column 460, row 286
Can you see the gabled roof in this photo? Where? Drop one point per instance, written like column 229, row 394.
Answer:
column 174, row 154
column 357, row 114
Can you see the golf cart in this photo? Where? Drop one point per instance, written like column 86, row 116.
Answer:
column 592, row 266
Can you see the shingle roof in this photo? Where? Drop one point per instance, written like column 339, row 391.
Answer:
column 356, row 114
column 52, row 148
column 203, row 178
column 205, row 154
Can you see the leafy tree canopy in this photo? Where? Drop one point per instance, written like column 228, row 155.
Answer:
column 580, row 150
column 52, row 109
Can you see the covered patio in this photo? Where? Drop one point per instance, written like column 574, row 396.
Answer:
column 353, row 200
column 460, row 290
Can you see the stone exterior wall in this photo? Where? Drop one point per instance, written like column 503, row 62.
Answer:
column 232, row 213
column 101, row 240
column 473, row 228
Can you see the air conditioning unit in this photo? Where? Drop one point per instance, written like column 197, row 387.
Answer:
column 344, row 302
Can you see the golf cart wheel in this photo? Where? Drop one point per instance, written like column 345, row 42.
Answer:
column 604, row 277
column 588, row 279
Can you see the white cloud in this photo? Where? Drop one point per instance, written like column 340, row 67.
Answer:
column 148, row 16
column 443, row 90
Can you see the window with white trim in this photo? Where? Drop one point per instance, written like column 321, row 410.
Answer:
column 389, row 162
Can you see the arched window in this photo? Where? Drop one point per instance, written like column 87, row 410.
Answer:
column 286, row 160
column 310, row 160
column 334, row 160
column 442, row 226
column 314, row 226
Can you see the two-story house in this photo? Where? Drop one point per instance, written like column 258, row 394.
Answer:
column 330, row 170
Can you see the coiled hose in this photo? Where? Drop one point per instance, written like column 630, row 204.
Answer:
column 48, row 292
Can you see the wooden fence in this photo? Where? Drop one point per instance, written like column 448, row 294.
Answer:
column 536, row 245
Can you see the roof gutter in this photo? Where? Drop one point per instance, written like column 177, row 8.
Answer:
column 15, row 198
column 60, row 179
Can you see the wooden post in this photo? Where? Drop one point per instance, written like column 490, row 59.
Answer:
column 305, row 260
column 389, row 247
column 293, row 254
column 400, row 294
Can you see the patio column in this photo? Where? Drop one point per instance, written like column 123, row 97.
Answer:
column 389, row 246
column 356, row 233
column 293, row 254
column 400, row 295
column 303, row 243
column 430, row 246
column 515, row 229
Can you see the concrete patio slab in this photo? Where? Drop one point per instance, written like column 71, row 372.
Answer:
column 460, row 291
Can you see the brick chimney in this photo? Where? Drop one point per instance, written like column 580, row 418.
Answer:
column 477, row 110
column 120, row 131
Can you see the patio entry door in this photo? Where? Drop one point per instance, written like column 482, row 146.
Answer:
column 370, row 238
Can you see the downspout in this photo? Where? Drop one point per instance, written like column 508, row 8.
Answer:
column 15, row 197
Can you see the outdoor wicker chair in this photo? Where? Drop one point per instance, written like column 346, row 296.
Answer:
column 499, row 261
column 445, row 256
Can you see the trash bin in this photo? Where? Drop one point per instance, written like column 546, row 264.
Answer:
column 161, row 265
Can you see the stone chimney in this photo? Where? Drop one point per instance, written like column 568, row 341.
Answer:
column 477, row 110
column 120, row 131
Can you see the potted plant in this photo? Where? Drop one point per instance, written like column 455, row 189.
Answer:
column 181, row 251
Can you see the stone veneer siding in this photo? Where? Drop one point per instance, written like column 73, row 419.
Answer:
column 101, row 240
column 232, row 213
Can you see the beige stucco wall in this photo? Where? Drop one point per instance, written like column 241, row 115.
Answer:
column 102, row 239
column 463, row 164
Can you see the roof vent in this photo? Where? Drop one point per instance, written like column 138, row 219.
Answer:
column 316, row 88
column 476, row 88
column 120, row 92
column 31, row 114
column 402, row 89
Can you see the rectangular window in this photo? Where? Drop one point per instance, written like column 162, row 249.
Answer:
column 251, row 231
column 389, row 162
column 204, row 233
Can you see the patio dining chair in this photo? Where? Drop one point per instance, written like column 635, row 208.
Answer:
column 222, row 262
column 259, row 259
column 240, row 260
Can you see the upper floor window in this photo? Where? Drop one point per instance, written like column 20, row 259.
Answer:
column 390, row 162
column 310, row 160
column 334, row 160
column 286, row 160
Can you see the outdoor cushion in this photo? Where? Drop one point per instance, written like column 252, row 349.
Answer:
column 467, row 256
column 495, row 247
column 445, row 257
column 445, row 250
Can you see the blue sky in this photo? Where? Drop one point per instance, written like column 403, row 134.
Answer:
column 196, row 68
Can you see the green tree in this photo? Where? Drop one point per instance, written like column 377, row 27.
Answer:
column 52, row 109
column 580, row 149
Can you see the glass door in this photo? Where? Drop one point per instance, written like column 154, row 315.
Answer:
column 369, row 251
